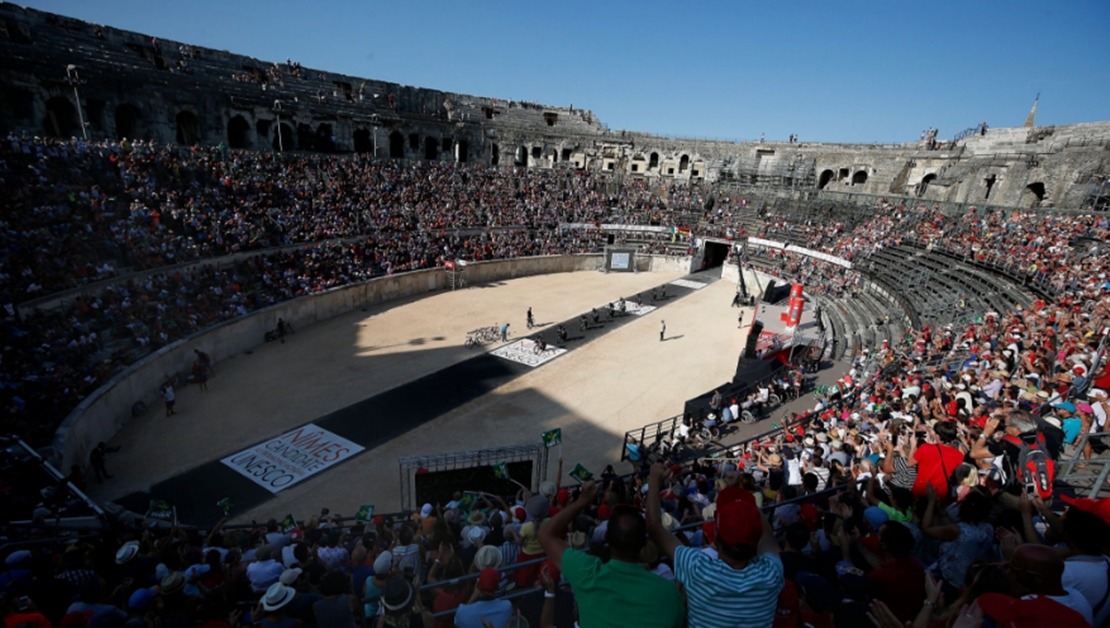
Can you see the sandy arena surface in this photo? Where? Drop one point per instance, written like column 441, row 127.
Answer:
column 612, row 384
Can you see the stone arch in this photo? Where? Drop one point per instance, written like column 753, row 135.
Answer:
column 859, row 178
column 1037, row 190
column 61, row 118
column 306, row 138
column 431, row 148
column 127, row 118
column 462, row 151
column 537, row 152
column 414, row 142
column 683, row 163
column 826, row 176
column 364, row 143
column 925, row 181
column 653, row 161
column 522, row 155
column 283, row 137
column 324, row 141
column 494, row 154
column 238, row 132
column 188, row 128
column 566, row 154
column 396, row 145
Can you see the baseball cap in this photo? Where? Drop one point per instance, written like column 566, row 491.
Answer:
column 738, row 518
column 488, row 580
column 141, row 598
column 1097, row 507
column 1031, row 611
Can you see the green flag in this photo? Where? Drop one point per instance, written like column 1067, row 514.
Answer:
column 288, row 524
column 580, row 473
column 160, row 509
column 501, row 471
column 468, row 500
column 225, row 505
column 552, row 437
column 365, row 513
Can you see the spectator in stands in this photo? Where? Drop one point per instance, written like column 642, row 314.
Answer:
column 937, row 459
column 743, row 586
column 483, row 609
column 620, row 592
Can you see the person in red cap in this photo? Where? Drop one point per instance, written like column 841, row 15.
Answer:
column 621, row 592
column 740, row 589
column 482, row 607
column 1037, row 571
column 1086, row 566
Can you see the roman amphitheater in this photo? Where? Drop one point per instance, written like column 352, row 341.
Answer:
column 329, row 243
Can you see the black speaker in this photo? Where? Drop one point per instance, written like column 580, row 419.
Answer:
column 612, row 238
column 753, row 337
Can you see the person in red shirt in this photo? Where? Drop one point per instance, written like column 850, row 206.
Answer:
column 896, row 577
column 937, row 459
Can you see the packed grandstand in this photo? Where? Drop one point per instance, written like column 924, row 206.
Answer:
column 919, row 489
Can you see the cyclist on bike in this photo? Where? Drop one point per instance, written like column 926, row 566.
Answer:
column 562, row 333
column 595, row 315
column 583, row 324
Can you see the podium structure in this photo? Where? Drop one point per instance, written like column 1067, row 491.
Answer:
column 456, row 273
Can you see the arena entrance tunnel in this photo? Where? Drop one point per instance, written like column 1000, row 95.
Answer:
column 715, row 254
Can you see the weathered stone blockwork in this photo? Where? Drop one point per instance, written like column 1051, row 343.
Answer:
column 134, row 85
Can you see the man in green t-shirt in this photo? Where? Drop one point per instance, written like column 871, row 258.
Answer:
column 621, row 592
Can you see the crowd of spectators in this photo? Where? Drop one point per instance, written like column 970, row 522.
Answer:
column 899, row 498
column 913, row 492
column 78, row 212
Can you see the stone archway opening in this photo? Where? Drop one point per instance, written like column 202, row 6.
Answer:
column 431, row 148
column 325, row 140
column 859, row 178
column 537, row 152
column 522, row 156
column 396, row 145
column 653, row 161
column 61, row 118
column 127, row 121
column 238, row 132
column 188, row 128
column 566, row 154
column 925, row 181
column 825, row 178
column 989, row 182
column 1037, row 191
column 414, row 142
column 283, row 138
column 494, row 154
column 364, row 143
column 306, row 137
column 462, row 151
column 683, row 163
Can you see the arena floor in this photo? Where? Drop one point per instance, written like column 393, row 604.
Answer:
column 613, row 383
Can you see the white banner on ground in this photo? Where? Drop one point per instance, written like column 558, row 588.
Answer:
column 282, row 461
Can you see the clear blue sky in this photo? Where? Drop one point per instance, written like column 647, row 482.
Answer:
column 829, row 71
